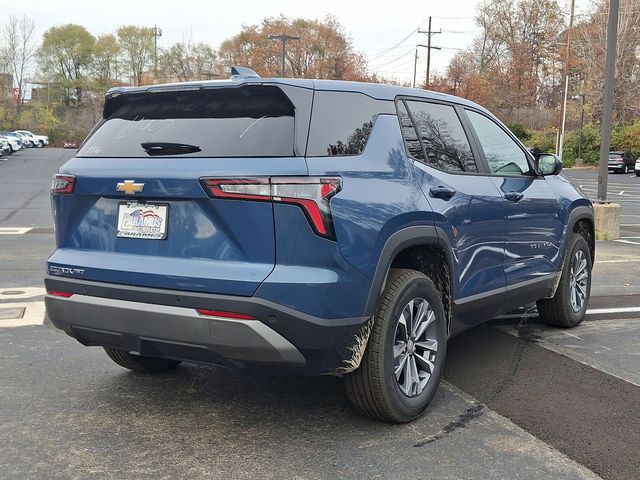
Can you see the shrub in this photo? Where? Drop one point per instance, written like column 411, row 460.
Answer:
column 519, row 131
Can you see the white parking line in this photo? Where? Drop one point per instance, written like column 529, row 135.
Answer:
column 601, row 311
column 617, row 261
column 33, row 315
column 14, row 230
column 590, row 311
column 627, row 241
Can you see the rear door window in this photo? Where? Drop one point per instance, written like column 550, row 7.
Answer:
column 249, row 121
column 444, row 142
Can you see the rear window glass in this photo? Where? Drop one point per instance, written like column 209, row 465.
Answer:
column 250, row 121
column 341, row 122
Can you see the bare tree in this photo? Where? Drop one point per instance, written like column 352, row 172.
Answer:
column 18, row 50
column 137, row 48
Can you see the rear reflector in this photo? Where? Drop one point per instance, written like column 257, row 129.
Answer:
column 219, row 313
column 58, row 293
column 311, row 194
column 63, row 183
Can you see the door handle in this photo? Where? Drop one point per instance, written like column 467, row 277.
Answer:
column 442, row 192
column 514, row 196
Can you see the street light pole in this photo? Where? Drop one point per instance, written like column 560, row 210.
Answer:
column 283, row 37
column 157, row 32
column 581, row 124
column 563, row 106
column 607, row 104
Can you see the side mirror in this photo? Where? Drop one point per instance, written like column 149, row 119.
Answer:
column 548, row 164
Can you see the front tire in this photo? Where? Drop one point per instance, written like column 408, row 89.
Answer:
column 138, row 363
column 568, row 306
column 402, row 364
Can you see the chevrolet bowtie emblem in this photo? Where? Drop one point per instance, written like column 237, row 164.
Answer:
column 129, row 187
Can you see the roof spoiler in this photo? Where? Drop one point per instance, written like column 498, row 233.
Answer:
column 240, row 73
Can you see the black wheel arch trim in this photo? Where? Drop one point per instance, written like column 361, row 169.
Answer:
column 579, row 213
column 397, row 242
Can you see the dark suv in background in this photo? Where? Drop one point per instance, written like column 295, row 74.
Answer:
column 621, row 162
column 309, row 227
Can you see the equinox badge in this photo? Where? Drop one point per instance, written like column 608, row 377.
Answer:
column 129, row 187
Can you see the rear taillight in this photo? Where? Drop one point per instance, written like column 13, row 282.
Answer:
column 219, row 313
column 58, row 293
column 63, row 183
column 311, row 194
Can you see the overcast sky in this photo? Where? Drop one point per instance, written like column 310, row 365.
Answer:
column 374, row 26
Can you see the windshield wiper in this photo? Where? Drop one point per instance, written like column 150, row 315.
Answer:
column 168, row 148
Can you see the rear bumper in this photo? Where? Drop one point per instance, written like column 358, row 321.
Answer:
column 164, row 323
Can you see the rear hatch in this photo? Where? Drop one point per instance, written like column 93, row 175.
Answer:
column 616, row 160
column 131, row 208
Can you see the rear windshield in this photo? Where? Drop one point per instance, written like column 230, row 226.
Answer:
column 249, row 121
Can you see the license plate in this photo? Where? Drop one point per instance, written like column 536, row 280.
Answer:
column 142, row 220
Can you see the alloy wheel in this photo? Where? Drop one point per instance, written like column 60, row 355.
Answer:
column 578, row 278
column 415, row 347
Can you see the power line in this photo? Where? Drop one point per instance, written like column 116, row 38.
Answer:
column 397, row 58
column 407, row 37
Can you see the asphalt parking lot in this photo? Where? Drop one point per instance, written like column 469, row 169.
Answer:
column 519, row 400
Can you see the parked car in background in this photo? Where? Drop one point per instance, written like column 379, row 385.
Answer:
column 5, row 149
column 309, row 227
column 637, row 167
column 621, row 162
column 15, row 141
column 70, row 144
column 38, row 140
column 27, row 142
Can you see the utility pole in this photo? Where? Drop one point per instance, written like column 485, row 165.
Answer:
column 157, row 32
column 429, row 47
column 563, row 106
column 607, row 103
column 415, row 65
column 284, row 38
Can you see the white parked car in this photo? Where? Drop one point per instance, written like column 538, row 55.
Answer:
column 5, row 149
column 27, row 142
column 38, row 140
column 12, row 142
column 637, row 167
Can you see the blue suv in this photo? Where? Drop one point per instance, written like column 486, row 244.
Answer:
column 309, row 227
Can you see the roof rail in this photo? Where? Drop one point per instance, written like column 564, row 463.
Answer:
column 239, row 73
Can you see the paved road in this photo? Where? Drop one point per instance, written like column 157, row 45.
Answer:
column 520, row 400
column 622, row 189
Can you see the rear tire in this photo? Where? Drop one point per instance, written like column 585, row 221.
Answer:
column 568, row 306
column 138, row 363
column 402, row 364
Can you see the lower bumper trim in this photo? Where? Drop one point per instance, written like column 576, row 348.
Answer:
column 171, row 332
